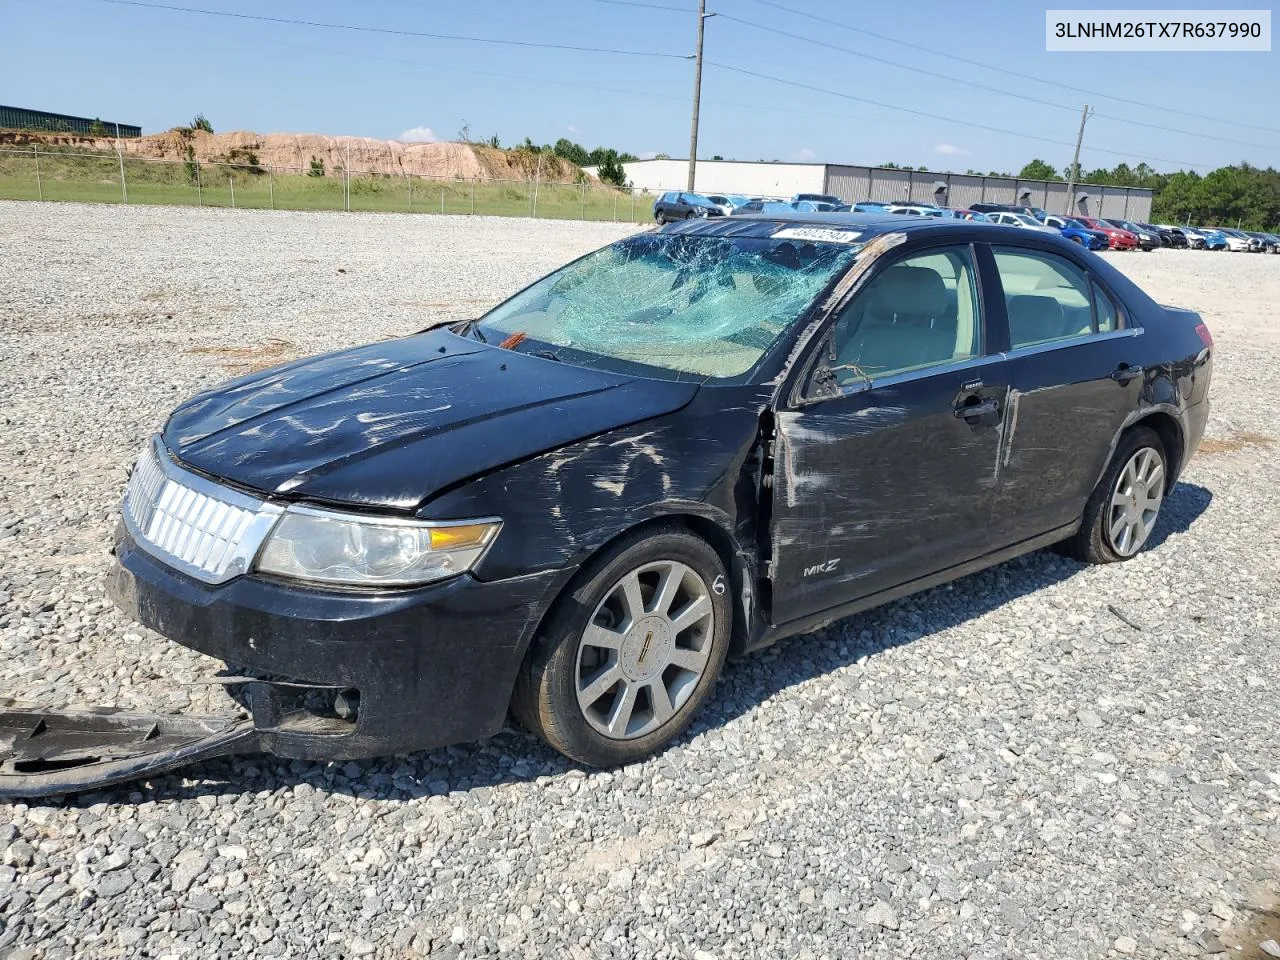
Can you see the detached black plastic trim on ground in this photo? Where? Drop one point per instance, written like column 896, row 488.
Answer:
column 45, row 753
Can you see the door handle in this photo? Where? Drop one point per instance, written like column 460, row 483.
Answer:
column 971, row 411
column 1126, row 372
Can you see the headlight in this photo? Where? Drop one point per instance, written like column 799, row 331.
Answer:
column 329, row 547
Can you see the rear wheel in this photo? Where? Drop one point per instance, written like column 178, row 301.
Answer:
column 629, row 654
column 1125, row 506
column 660, row 217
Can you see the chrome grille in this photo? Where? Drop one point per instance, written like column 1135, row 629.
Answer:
column 206, row 530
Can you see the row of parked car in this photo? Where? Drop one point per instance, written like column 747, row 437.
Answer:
column 1092, row 232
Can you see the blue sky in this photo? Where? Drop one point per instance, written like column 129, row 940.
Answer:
column 158, row 68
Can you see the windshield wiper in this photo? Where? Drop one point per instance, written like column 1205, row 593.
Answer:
column 470, row 328
column 546, row 355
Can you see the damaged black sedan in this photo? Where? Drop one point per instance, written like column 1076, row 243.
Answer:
column 688, row 444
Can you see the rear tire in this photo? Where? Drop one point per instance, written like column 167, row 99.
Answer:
column 661, row 218
column 1127, row 498
column 630, row 652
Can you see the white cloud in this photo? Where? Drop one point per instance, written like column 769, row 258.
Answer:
column 648, row 154
column 804, row 155
column 573, row 129
column 420, row 135
column 949, row 149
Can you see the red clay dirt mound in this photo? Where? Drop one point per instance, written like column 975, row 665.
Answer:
column 295, row 150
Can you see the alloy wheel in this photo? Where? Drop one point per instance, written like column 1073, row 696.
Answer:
column 644, row 650
column 1135, row 502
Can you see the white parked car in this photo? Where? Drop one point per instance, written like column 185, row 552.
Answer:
column 914, row 210
column 727, row 202
column 1021, row 220
column 1195, row 239
column 1237, row 242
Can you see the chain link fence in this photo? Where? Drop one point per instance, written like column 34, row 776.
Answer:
column 42, row 174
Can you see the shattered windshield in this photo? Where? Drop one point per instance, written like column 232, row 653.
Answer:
column 703, row 305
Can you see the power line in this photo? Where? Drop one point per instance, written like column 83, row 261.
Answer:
column 647, row 6
column 933, row 116
column 982, row 86
column 1008, row 72
column 594, row 87
column 388, row 30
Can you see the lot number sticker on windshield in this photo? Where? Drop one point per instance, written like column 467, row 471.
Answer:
column 817, row 234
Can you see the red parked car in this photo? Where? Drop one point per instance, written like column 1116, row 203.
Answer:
column 1118, row 238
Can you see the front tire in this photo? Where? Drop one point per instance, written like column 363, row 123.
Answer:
column 1125, row 506
column 631, row 651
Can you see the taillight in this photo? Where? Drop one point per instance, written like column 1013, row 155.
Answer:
column 1204, row 334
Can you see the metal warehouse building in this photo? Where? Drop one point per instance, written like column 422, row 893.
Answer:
column 20, row 118
column 886, row 184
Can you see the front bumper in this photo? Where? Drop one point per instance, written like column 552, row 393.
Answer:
column 432, row 665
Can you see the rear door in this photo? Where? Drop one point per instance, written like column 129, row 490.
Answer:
column 885, row 454
column 1074, row 376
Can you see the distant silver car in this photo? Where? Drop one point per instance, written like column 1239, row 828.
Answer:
column 915, row 210
column 1021, row 220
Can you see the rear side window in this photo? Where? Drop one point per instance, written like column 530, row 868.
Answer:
column 1047, row 297
column 1104, row 308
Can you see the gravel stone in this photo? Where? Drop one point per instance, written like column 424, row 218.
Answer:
column 882, row 915
column 935, row 761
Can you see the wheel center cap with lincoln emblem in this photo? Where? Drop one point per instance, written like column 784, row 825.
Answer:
column 646, row 649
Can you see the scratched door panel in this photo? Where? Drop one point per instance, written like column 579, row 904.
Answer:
column 1065, row 408
column 880, row 487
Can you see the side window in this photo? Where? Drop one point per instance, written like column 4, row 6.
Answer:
column 1047, row 297
column 1104, row 308
column 920, row 312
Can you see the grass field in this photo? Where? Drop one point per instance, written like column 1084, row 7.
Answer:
column 96, row 179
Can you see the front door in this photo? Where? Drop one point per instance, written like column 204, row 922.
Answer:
column 885, row 467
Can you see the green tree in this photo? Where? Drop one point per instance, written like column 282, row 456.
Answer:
column 611, row 171
column 1038, row 170
column 317, row 168
column 573, row 152
column 201, row 122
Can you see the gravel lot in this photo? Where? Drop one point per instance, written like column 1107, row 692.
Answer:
column 999, row 768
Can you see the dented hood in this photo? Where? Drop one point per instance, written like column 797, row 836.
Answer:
column 390, row 424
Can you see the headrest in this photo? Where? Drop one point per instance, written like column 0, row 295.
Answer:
column 1041, row 313
column 1054, row 282
column 913, row 291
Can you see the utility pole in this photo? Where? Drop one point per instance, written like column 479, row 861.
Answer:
column 697, row 92
column 124, row 189
column 1074, row 174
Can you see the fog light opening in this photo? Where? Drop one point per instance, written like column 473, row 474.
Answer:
column 347, row 705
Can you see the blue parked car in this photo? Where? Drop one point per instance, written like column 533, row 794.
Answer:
column 1214, row 239
column 1077, row 232
column 870, row 206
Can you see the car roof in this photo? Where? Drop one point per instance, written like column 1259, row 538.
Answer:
column 868, row 225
